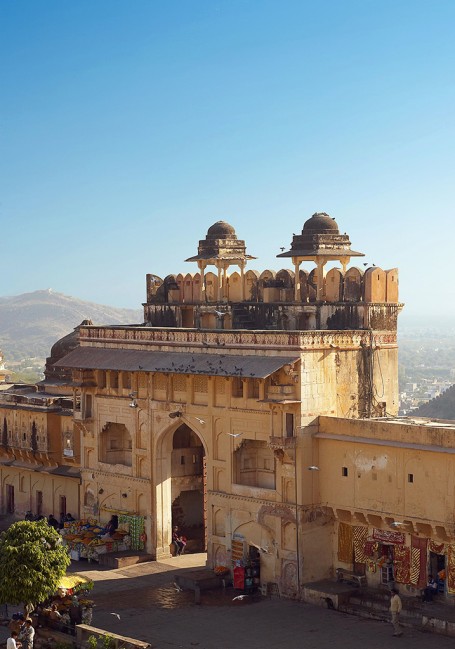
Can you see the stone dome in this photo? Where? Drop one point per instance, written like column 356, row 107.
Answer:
column 320, row 223
column 64, row 346
column 60, row 349
column 220, row 230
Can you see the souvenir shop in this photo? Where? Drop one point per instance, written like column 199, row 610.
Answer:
column 386, row 557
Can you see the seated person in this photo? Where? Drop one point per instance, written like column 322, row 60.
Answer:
column 178, row 540
column 52, row 521
column 55, row 614
column 112, row 526
column 430, row 590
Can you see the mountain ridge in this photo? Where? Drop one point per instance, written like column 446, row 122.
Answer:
column 30, row 323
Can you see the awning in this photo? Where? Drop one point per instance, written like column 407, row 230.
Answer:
column 71, row 581
column 126, row 360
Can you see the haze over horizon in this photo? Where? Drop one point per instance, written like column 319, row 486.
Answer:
column 129, row 129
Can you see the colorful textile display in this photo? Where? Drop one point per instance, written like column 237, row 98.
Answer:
column 370, row 549
column 371, row 565
column 387, row 536
column 345, row 544
column 437, row 548
column 360, row 535
column 136, row 525
column 419, row 561
column 402, row 564
column 451, row 569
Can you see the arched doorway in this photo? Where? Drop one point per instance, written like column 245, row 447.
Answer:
column 181, row 489
column 188, row 488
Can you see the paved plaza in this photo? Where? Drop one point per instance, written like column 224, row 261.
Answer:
column 153, row 610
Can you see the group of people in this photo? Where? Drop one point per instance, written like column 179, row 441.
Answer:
column 22, row 634
column 51, row 520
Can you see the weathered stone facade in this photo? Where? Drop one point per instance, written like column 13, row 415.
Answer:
column 242, row 409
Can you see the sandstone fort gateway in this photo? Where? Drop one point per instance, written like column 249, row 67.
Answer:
column 255, row 410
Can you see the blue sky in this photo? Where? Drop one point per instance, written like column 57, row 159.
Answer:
column 128, row 128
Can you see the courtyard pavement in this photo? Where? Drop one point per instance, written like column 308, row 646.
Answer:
column 153, row 610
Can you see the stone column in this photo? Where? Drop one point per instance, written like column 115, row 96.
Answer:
column 242, row 265
column 202, row 265
column 297, row 280
column 220, row 279
column 320, row 279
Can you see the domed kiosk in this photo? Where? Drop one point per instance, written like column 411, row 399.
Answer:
column 320, row 241
column 221, row 249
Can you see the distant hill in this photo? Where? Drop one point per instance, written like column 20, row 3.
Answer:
column 442, row 407
column 32, row 322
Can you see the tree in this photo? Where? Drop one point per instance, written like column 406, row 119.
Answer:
column 32, row 562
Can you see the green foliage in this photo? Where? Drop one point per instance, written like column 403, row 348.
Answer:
column 32, row 562
column 92, row 642
column 107, row 641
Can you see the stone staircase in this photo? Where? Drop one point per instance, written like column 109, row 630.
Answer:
column 436, row 617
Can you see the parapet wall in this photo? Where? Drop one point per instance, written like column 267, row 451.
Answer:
column 373, row 285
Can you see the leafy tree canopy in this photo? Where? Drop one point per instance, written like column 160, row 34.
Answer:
column 32, row 562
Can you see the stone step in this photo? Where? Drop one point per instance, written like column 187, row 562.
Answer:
column 123, row 559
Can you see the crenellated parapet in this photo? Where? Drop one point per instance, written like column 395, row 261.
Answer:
column 339, row 297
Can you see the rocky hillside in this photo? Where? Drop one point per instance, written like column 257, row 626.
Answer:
column 442, row 407
column 31, row 323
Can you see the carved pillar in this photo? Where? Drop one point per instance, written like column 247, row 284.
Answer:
column 242, row 265
column 320, row 280
column 297, row 280
column 219, row 268
column 202, row 265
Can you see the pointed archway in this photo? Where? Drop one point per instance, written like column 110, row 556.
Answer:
column 181, row 489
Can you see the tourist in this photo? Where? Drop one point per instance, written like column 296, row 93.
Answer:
column 13, row 642
column 28, row 634
column 395, row 610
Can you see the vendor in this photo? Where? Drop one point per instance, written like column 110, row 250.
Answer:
column 54, row 614
column 112, row 526
column 75, row 611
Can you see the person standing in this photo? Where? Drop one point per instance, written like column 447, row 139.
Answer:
column 28, row 635
column 430, row 590
column 395, row 610
column 13, row 642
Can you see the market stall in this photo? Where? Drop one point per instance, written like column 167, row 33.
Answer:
column 70, row 604
column 87, row 539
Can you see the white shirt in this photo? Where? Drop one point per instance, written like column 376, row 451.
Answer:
column 11, row 643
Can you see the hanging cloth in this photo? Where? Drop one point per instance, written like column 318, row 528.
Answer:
column 345, row 543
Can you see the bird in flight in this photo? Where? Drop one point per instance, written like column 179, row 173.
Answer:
column 234, row 434
column 177, row 587
column 313, row 468
column 239, row 598
column 116, row 615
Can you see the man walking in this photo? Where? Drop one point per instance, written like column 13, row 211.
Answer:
column 395, row 609
column 28, row 635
